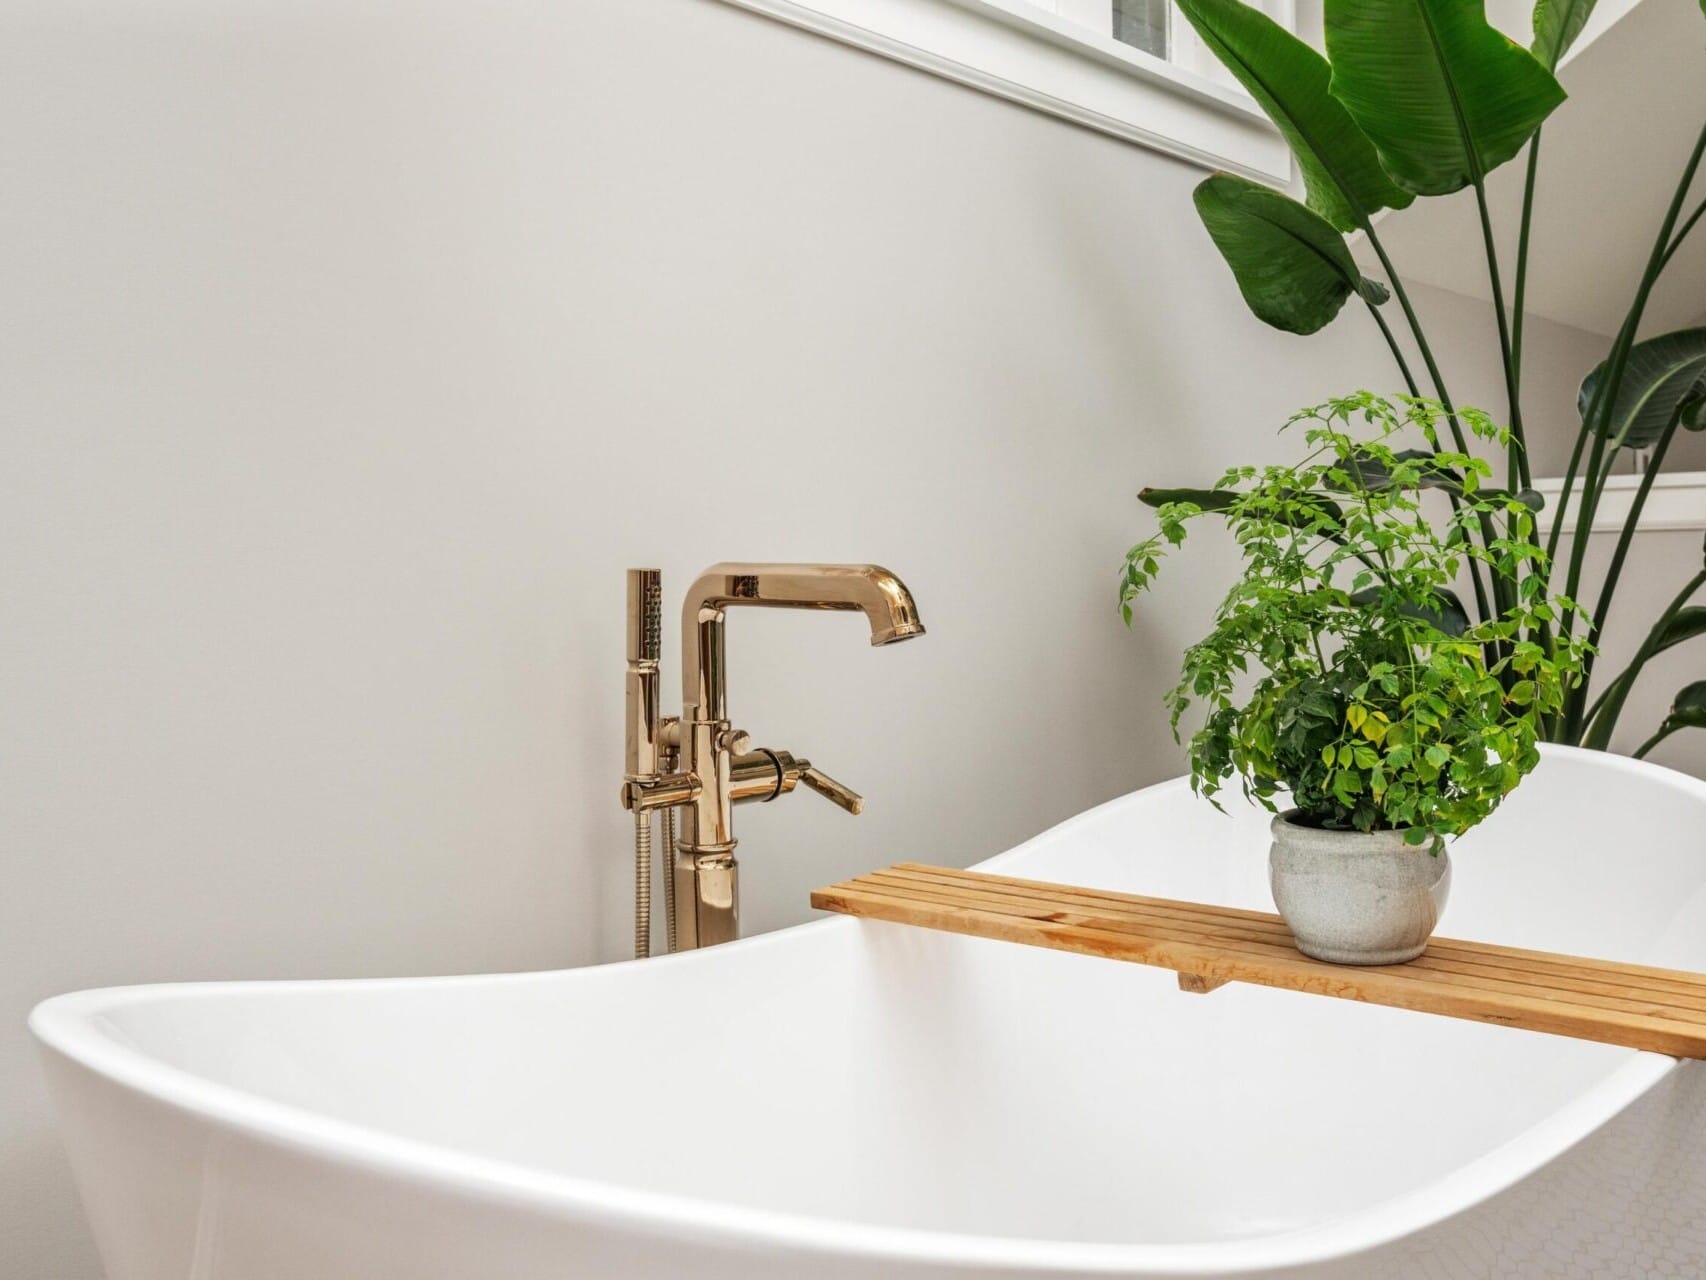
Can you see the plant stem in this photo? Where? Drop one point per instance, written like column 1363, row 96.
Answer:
column 1619, row 352
column 1519, row 290
column 1663, row 733
column 1403, row 296
column 1605, row 398
column 1564, row 494
column 1439, row 384
column 1519, row 310
column 1682, row 232
column 1438, row 380
column 1601, row 719
column 1518, row 445
column 1602, row 605
column 1397, row 351
column 1519, row 313
column 1599, row 415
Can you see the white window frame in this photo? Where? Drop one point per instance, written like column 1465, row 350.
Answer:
column 1677, row 502
column 1025, row 52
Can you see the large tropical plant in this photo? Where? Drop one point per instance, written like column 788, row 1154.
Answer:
column 1425, row 98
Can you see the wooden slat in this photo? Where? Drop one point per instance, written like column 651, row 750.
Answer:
column 1638, row 1006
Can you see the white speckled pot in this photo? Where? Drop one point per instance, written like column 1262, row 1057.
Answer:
column 1352, row 897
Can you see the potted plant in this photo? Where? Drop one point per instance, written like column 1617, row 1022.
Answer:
column 1417, row 99
column 1343, row 671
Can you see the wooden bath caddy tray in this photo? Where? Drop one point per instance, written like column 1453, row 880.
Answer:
column 1663, row 1010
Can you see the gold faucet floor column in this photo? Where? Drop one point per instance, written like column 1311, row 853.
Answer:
column 707, row 885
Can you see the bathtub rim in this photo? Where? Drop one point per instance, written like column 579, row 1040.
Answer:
column 76, row 1027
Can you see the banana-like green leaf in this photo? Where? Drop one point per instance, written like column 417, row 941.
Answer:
column 1689, row 709
column 1219, row 500
column 1557, row 23
column 1661, row 379
column 1447, row 615
column 1292, row 267
column 1207, row 499
column 1684, row 624
column 1342, row 174
column 1445, row 97
column 1365, row 472
column 1693, row 412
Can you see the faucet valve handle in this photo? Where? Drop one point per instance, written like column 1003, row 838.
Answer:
column 641, row 795
column 831, row 790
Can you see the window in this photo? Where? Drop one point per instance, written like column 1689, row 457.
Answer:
column 1140, row 23
column 1131, row 68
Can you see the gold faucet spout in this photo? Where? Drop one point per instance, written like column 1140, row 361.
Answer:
column 867, row 588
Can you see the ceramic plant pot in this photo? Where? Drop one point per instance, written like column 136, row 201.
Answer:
column 1352, row 897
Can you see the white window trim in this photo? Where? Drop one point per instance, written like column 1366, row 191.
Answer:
column 1027, row 55
column 1677, row 501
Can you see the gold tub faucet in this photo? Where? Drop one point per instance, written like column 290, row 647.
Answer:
column 698, row 762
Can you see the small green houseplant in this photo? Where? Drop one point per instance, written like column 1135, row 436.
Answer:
column 1343, row 671
column 1423, row 98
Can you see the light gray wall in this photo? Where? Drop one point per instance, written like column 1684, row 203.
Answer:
column 351, row 350
column 1556, row 357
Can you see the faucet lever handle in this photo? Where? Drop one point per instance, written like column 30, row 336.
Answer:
column 831, row 790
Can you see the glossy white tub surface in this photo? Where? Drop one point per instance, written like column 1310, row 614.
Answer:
column 854, row 1099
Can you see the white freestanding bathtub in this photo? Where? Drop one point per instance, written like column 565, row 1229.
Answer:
column 854, row 1099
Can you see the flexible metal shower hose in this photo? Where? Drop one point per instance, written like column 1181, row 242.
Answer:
column 642, row 883
column 669, row 877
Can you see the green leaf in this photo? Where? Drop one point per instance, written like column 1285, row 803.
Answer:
column 1683, row 625
column 1342, row 175
column 1369, row 471
column 1310, row 510
column 1693, row 412
column 1446, row 615
column 1661, row 378
column 1292, row 267
column 1557, row 23
column 1445, row 97
column 1207, row 499
column 1689, row 708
